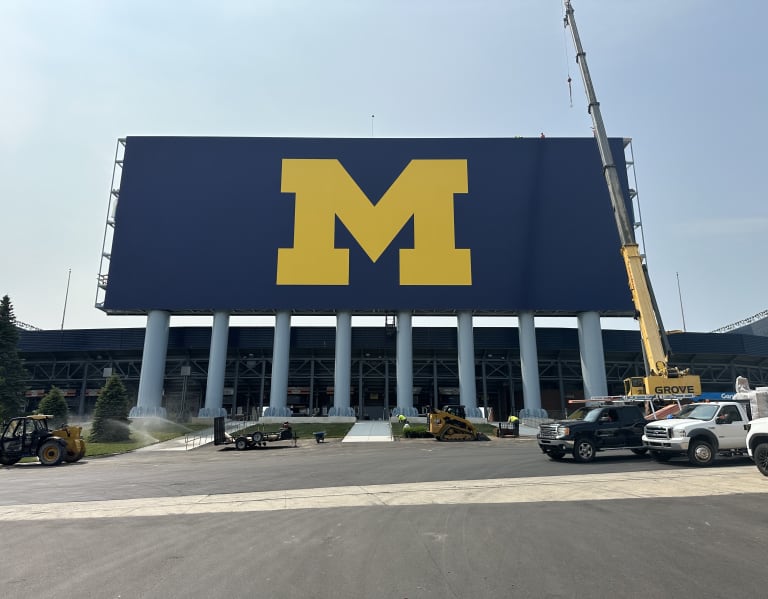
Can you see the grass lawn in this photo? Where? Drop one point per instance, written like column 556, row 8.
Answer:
column 140, row 436
column 164, row 430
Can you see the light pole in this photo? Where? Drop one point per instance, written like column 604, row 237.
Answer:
column 66, row 295
column 680, row 295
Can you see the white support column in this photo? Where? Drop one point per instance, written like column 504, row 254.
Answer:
column 404, row 364
column 592, row 355
column 217, row 366
column 387, row 409
column 281, row 357
column 466, row 358
column 153, row 366
column 342, row 369
column 529, row 361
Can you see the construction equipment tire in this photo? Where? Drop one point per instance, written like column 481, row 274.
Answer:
column 50, row 453
column 73, row 456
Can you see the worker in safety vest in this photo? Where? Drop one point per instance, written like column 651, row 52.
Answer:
column 515, row 422
column 402, row 419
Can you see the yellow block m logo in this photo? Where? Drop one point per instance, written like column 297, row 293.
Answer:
column 324, row 190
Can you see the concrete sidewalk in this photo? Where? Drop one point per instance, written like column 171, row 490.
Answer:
column 369, row 431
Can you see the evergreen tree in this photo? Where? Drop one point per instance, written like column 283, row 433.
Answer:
column 110, row 416
column 12, row 372
column 55, row 405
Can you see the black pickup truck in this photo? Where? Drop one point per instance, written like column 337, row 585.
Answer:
column 592, row 429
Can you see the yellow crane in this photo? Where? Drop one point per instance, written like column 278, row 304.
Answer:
column 661, row 378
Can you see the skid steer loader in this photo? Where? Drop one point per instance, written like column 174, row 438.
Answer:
column 451, row 424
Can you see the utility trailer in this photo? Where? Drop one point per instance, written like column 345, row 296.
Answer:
column 253, row 439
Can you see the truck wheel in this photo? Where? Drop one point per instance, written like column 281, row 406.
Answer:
column 50, row 453
column 641, row 451
column 700, row 453
column 556, row 455
column 241, row 443
column 584, row 450
column 761, row 458
column 660, row 456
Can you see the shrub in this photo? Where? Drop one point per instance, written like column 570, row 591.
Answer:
column 416, row 432
column 110, row 416
column 54, row 404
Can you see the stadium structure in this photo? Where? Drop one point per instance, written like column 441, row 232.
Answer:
column 394, row 228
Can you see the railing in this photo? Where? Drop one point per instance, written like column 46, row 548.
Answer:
column 534, row 417
column 205, row 436
column 534, row 422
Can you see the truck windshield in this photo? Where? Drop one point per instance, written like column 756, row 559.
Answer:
column 698, row 411
column 588, row 414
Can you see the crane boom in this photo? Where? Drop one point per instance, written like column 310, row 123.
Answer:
column 655, row 346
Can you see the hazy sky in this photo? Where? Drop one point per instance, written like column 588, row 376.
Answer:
column 685, row 79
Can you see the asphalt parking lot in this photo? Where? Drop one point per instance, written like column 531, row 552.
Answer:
column 413, row 518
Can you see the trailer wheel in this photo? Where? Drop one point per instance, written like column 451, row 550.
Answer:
column 8, row 461
column 258, row 437
column 241, row 443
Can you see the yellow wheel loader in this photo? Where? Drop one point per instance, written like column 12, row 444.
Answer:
column 29, row 436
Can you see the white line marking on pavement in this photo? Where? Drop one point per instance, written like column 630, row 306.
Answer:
column 586, row 487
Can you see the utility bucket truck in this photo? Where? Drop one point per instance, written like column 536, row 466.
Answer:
column 661, row 378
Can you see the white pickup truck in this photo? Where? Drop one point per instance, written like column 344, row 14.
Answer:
column 757, row 429
column 701, row 431
column 757, row 443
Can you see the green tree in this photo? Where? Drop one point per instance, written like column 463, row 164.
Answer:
column 53, row 403
column 110, row 416
column 12, row 372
